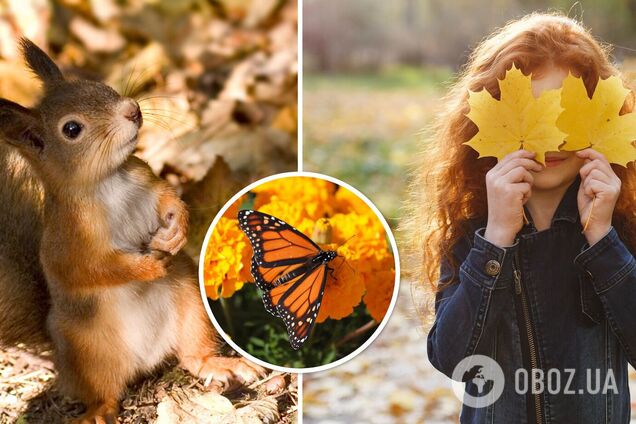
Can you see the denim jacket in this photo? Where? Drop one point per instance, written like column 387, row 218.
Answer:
column 548, row 302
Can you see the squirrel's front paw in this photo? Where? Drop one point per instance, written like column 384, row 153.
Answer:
column 171, row 236
column 154, row 265
column 225, row 374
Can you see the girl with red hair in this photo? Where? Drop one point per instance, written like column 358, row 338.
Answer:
column 502, row 246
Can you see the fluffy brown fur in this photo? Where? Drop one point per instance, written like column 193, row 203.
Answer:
column 24, row 299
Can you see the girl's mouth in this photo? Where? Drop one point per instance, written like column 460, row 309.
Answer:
column 553, row 161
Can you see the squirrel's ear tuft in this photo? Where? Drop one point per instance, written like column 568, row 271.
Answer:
column 19, row 127
column 40, row 62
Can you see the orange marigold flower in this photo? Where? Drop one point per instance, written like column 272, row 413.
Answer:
column 380, row 285
column 313, row 195
column 344, row 288
column 347, row 202
column 292, row 213
column 363, row 251
column 369, row 253
column 227, row 259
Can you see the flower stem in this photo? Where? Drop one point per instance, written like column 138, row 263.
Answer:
column 357, row 332
column 228, row 316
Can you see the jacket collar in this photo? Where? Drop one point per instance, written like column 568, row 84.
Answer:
column 568, row 209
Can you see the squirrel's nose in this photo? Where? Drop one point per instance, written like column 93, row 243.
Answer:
column 132, row 112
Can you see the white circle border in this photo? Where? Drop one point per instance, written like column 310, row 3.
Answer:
column 396, row 284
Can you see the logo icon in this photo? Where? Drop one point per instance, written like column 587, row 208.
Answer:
column 484, row 381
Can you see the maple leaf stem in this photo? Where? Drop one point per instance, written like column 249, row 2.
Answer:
column 589, row 215
column 525, row 218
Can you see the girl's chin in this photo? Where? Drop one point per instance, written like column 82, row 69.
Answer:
column 557, row 172
column 550, row 178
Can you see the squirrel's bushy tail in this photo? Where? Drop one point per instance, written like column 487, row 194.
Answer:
column 24, row 297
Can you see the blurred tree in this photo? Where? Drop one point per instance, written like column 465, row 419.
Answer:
column 367, row 35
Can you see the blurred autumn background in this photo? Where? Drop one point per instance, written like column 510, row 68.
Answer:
column 373, row 74
column 217, row 82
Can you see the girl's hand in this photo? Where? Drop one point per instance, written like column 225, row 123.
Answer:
column 509, row 186
column 597, row 180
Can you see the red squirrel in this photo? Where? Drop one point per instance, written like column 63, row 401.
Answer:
column 122, row 295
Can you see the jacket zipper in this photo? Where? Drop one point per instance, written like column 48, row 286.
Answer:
column 534, row 363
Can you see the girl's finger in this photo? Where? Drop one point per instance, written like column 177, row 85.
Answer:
column 594, row 187
column 597, row 174
column 526, row 163
column 521, row 153
column 524, row 188
column 525, row 198
column 591, row 154
column 587, row 167
column 517, row 175
column 594, row 182
column 599, row 164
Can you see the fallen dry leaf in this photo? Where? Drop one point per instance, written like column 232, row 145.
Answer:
column 209, row 407
column 260, row 411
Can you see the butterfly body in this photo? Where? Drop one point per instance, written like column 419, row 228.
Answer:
column 324, row 257
column 289, row 269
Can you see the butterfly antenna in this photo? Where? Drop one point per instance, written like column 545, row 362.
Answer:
column 349, row 239
column 333, row 272
column 349, row 265
column 343, row 258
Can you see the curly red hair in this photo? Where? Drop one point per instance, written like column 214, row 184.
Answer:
column 449, row 187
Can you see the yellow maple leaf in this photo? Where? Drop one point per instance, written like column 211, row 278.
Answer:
column 517, row 120
column 596, row 122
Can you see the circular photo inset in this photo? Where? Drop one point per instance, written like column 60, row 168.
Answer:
column 298, row 272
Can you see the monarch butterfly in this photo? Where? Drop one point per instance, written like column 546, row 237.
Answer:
column 290, row 270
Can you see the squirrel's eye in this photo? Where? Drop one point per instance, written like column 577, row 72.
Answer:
column 72, row 129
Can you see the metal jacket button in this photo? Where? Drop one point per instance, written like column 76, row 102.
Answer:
column 493, row 267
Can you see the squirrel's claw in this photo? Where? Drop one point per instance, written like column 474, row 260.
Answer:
column 223, row 374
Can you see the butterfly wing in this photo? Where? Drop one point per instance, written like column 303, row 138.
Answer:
column 297, row 302
column 280, row 252
column 264, row 277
